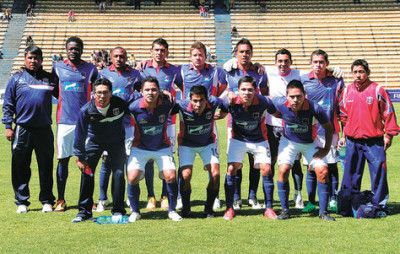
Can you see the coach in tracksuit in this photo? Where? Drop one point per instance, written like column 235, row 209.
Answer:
column 27, row 102
column 100, row 128
column 367, row 113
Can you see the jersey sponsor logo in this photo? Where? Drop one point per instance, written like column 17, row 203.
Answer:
column 152, row 130
column 118, row 91
column 297, row 128
column 167, row 79
column 256, row 115
column 247, row 125
column 41, row 87
column 73, row 87
column 142, row 121
column 207, row 78
column 161, row 118
column 115, row 111
column 370, row 100
column 189, row 118
column 199, row 129
column 208, row 115
column 325, row 104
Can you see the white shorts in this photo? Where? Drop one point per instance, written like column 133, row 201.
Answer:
column 139, row 157
column 238, row 149
column 288, row 151
column 65, row 140
column 129, row 131
column 333, row 155
column 228, row 138
column 215, row 131
column 171, row 133
column 208, row 154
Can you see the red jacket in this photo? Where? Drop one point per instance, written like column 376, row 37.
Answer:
column 367, row 112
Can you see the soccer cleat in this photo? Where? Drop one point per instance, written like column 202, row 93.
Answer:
column 173, row 215
column 237, row 204
column 217, row 204
column 299, row 204
column 47, row 208
column 151, row 203
column 229, row 214
column 78, row 219
column 310, row 207
column 61, row 206
column 186, row 213
column 101, row 206
column 254, row 204
column 284, row 215
column 209, row 214
column 270, row 213
column 164, row 203
column 178, row 204
column 22, row 209
column 325, row 216
column 333, row 206
column 134, row 217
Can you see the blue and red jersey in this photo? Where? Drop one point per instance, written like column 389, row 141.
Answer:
column 367, row 112
column 325, row 93
column 196, row 130
column 27, row 99
column 75, row 85
column 300, row 126
column 248, row 123
column 123, row 84
column 210, row 77
column 151, row 125
column 232, row 78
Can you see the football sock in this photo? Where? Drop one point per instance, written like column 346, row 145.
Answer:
column 283, row 193
column 211, row 195
column 172, row 189
column 268, row 184
column 333, row 179
column 149, row 177
column 311, row 182
column 323, row 194
column 229, row 190
column 133, row 196
column 237, row 185
column 254, row 178
column 62, row 175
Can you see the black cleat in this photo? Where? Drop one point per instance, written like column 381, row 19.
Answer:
column 209, row 214
column 325, row 216
column 186, row 213
column 284, row 215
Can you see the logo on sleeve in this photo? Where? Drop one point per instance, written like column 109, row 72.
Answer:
column 161, row 118
column 116, row 111
column 208, row 115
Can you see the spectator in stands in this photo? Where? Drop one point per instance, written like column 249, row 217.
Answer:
column 257, row 2
column 32, row 3
column 206, row 11
column 60, row 57
column 232, row 4
column 102, row 6
column 157, row 2
column 263, row 6
column 71, row 16
column 29, row 41
column 54, row 59
column 93, row 58
column 234, row 32
column 201, row 11
column 147, row 2
column 137, row 4
column 357, row 1
column 132, row 61
column 29, row 11
column 7, row 14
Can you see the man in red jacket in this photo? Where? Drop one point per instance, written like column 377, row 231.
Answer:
column 366, row 113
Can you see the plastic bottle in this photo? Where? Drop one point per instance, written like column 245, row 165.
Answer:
column 88, row 171
column 342, row 156
column 115, row 219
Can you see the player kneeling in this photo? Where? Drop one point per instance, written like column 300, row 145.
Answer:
column 299, row 115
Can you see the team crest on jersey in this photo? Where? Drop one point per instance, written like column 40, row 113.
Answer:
column 46, row 81
column 129, row 80
column 92, row 118
column 167, row 79
column 115, row 111
column 256, row 115
column 305, row 121
column 83, row 75
column 370, row 100
column 208, row 115
column 161, row 118
column 207, row 78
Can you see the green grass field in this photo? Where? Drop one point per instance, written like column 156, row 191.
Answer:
column 249, row 232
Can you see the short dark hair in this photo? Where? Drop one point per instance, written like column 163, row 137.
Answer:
column 248, row 79
column 119, row 48
column 198, row 45
column 243, row 41
column 283, row 51
column 319, row 52
column 160, row 41
column 199, row 90
column 151, row 80
column 34, row 50
column 75, row 39
column 295, row 84
column 104, row 82
column 360, row 62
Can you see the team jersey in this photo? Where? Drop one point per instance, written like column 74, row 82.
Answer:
column 248, row 123
column 196, row 130
column 151, row 125
column 300, row 127
column 74, row 88
column 100, row 129
column 232, row 78
column 277, row 84
column 123, row 84
column 367, row 112
column 325, row 93
column 210, row 77
column 27, row 99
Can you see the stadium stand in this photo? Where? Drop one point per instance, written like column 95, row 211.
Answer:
column 346, row 31
column 4, row 24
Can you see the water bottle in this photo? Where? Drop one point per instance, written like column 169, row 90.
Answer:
column 342, row 155
column 115, row 219
column 104, row 220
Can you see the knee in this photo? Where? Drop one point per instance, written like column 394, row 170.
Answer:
column 186, row 175
column 322, row 174
column 170, row 176
column 133, row 177
column 266, row 170
column 284, row 172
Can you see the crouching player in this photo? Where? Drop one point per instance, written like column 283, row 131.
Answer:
column 299, row 115
column 151, row 143
column 249, row 135
column 196, row 136
column 100, row 128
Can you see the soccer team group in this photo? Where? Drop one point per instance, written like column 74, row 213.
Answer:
column 126, row 117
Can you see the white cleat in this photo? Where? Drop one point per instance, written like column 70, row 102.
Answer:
column 254, row 204
column 237, row 205
column 22, row 209
column 179, row 204
column 173, row 215
column 101, row 206
column 47, row 208
column 134, row 217
column 299, row 204
column 217, row 204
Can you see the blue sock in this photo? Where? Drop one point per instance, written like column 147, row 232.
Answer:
column 149, row 177
column 268, row 184
column 283, row 193
column 133, row 196
column 311, row 182
column 229, row 190
column 238, row 185
column 323, row 194
column 62, row 175
column 172, row 189
column 333, row 179
column 104, row 178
